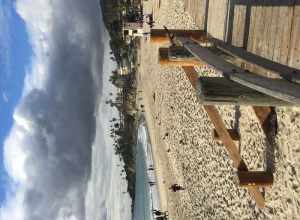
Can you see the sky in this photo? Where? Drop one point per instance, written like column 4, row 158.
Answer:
column 49, row 82
column 15, row 53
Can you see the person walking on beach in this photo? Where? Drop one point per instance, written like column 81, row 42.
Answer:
column 151, row 167
column 175, row 187
column 160, row 215
column 151, row 183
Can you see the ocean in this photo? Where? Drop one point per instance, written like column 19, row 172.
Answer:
column 146, row 196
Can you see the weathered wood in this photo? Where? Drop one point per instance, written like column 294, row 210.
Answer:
column 265, row 116
column 160, row 36
column 255, row 178
column 231, row 147
column 232, row 132
column 281, row 70
column 177, row 56
column 229, row 144
column 221, row 91
column 277, row 88
column 208, row 56
column 232, row 150
column 294, row 49
column 217, row 18
column 238, row 25
column 192, row 75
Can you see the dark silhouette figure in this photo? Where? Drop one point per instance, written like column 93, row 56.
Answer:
column 150, row 22
column 151, row 183
column 175, row 187
column 160, row 215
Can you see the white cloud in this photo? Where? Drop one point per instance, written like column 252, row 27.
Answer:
column 13, row 209
column 47, row 153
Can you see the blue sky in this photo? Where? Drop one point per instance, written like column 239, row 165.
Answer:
column 15, row 56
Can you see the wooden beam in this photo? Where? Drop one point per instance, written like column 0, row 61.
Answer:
column 192, row 75
column 255, row 178
column 265, row 115
column 281, row 70
column 221, row 91
column 160, row 36
column 232, row 132
column 232, row 150
column 276, row 88
column 225, row 137
column 207, row 56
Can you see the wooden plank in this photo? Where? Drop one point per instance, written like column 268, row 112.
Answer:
column 160, row 36
column 239, row 26
column 280, row 70
column 235, row 26
column 221, row 91
column 224, row 136
column 259, row 30
column 280, row 89
column 265, row 40
column 277, row 88
column 253, row 38
column 217, row 18
column 286, row 29
column 252, row 31
column 207, row 56
column 294, row 50
column 252, row 34
column 273, row 30
column 279, row 36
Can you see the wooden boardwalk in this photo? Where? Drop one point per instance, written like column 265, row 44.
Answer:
column 267, row 28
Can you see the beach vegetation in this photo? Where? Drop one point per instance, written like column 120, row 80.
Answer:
column 124, row 129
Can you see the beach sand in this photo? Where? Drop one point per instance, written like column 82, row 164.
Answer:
column 185, row 152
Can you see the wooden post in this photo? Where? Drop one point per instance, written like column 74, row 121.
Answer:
column 232, row 132
column 255, row 178
column 221, row 91
column 177, row 56
column 229, row 144
column 160, row 36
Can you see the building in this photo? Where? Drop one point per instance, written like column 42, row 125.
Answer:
column 132, row 30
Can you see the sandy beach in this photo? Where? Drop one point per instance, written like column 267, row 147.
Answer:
column 186, row 153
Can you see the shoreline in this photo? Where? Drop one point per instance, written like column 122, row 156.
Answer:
column 151, row 187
